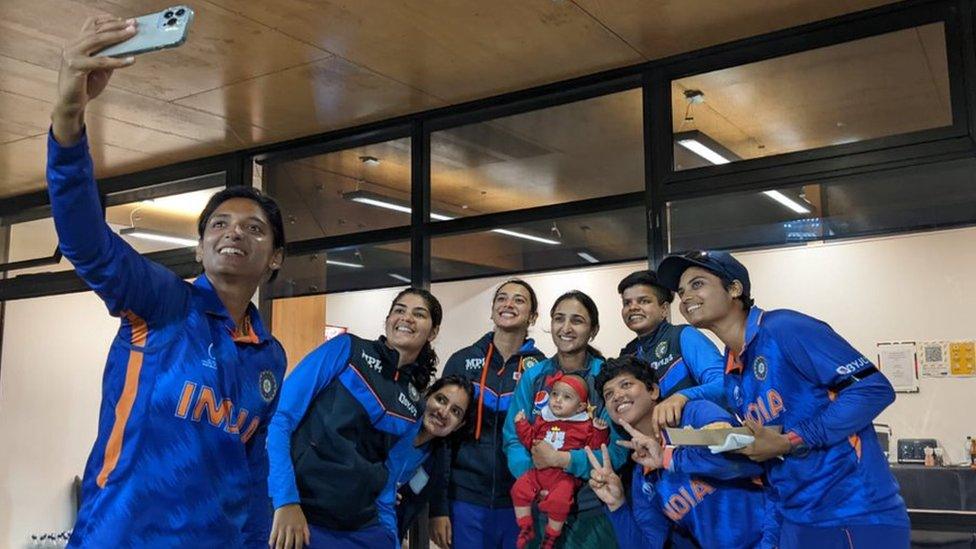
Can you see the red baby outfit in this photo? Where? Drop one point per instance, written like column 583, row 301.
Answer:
column 564, row 434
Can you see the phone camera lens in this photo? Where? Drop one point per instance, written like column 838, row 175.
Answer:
column 180, row 12
column 171, row 22
column 168, row 14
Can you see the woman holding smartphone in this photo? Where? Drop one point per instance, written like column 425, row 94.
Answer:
column 192, row 375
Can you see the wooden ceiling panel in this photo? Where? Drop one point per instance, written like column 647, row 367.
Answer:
column 453, row 50
column 663, row 28
column 254, row 72
column 315, row 97
column 223, row 48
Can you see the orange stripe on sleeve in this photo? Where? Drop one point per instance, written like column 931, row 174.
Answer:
column 113, row 448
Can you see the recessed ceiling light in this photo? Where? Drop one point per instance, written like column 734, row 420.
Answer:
column 369, row 160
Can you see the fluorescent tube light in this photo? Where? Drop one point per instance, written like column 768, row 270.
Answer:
column 401, row 278
column 343, row 264
column 158, row 236
column 698, row 143
column 703, row 151
column 381, row 204
column 588, row 257
column 370, row 199
column 787, row 201
column 526, row 236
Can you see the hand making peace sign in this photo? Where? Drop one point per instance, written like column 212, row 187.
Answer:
column 604, row 482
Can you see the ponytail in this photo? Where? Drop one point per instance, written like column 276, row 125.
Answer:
column 424, row 369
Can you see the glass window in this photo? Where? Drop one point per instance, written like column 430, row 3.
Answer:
column 163, row 223
column 579, row 150
column 905, row 199
column 885, row 85
column 566, row 242
column 348, row 191
column 359, row 268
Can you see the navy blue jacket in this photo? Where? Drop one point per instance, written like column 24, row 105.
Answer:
column 342, row 410
column 478, row 473
column 685, row 360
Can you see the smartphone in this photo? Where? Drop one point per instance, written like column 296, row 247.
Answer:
column 167, row 28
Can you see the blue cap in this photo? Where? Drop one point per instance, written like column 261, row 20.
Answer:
column 721, row 264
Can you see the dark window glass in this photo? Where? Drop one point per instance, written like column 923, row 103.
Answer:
column 579, row 150
column 565, row 242
column 343, row 192
column 360, row 268
column 901, row 200
column 890, row 84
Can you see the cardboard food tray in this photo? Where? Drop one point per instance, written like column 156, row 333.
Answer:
column 708, row 437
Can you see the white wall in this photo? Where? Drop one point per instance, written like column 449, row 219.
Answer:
column 467, row 308
column 54, row 351
column 912, row 287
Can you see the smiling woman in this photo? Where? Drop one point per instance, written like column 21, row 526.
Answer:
column 351, row 424
column 156, row 397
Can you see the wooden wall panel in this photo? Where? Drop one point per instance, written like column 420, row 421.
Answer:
column 299, row 324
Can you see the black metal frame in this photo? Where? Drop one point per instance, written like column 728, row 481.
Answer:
column 662, row 182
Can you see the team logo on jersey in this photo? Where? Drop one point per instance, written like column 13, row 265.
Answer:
column 209, row 362
column 529, row 362
column 541, row 399
column 268, row 385
column 759, row 368
column 737, row 395
column 661, row 349
column 414, row 393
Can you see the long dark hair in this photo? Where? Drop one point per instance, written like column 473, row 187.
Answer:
column 469, row 412
column 590, row 306
column 426, row 365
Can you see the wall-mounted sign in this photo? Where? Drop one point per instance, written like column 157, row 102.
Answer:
column 897, row 361
column 933, row 358
column 962, row 358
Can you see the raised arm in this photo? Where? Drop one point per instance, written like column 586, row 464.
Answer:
column 118, row 274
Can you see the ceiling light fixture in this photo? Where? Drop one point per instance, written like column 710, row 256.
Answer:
column 707, row 148
column 589, row 258
column 158, row 236
column 399, row 277
column 343, row 264
column 371, row 199
column 369, row 160
column 787, row 201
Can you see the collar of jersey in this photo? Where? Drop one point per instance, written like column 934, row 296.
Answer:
column 734, row 364
column 547, row 415
column 215, row 307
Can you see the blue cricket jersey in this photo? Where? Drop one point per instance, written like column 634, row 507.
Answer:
column 685, row 360
column 716, row 499
column 787, row 374
column 179, row 459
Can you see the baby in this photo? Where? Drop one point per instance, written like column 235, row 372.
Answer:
column 565, row 424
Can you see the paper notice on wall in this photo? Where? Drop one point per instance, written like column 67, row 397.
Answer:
column 898, row 363
column 933, row 358
column 962, row 358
